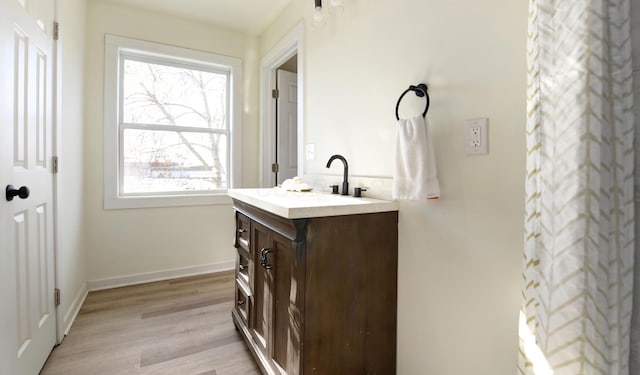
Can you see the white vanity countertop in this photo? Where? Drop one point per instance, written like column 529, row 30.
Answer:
column 297, row 205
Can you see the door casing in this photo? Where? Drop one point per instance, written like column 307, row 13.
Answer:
column 290, row 45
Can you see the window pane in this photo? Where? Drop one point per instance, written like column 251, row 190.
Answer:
column 166, row 95
column 168, row 161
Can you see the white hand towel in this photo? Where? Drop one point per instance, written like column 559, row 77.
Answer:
column 414, row 176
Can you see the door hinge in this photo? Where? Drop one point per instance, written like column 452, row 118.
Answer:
column 56, row 30
column 275, row 93
column 55, row 164
column 275, row 167
column 57, row 296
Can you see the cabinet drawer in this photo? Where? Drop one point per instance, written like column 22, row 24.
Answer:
column 242, row 264
column 243, row 235
column 242, row 301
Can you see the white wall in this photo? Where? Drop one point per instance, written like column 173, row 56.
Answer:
column 459, row 257
column 129, row 242
column 72, row 256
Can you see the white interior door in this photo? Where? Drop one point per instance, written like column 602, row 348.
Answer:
column 287, row 125
column 26, row 58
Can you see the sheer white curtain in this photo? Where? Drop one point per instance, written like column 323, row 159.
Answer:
column 580, row 230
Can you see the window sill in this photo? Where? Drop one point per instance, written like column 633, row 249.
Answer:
column 166, row 201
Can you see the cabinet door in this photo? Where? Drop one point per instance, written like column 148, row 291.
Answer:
column 273, row 309
column 261, row 285
column 286, row 320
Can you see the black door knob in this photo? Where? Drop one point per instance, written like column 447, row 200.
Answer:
column 22, row 193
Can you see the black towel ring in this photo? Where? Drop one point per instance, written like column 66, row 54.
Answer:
column 420, row 90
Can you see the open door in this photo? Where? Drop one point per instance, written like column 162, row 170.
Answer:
column 287, row 126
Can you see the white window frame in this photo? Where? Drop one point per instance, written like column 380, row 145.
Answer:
column 115, row 47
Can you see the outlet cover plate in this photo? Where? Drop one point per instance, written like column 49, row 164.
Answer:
column 477, row 136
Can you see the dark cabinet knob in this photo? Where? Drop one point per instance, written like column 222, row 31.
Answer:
column 11, row 191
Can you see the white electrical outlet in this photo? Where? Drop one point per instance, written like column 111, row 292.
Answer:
column 310, row 151
column 477, row 136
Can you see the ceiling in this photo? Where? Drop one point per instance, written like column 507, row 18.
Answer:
column 248, row 16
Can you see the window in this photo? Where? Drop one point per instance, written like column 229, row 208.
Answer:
column 171, row 125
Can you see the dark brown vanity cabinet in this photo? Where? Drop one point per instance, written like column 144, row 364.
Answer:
column 317, row 295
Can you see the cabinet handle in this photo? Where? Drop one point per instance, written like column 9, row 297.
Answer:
column 241, row 302
column 242, row 230
column 263, row 258
column 264, row 262
column 242, row 267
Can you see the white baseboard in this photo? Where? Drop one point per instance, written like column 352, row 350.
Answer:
column 74, row 308
column 115, row 282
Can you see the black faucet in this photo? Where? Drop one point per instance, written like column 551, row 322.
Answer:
column 345, row 183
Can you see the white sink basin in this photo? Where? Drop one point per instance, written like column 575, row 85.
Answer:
column 296, row 205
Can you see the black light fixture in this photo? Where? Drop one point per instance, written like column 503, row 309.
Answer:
column 319, row 17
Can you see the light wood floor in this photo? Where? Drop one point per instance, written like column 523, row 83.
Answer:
column 181, row 326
